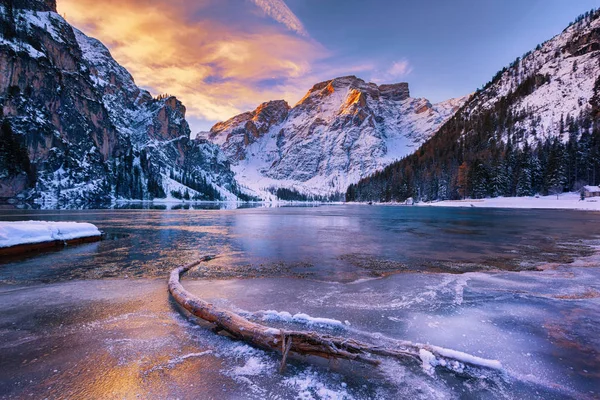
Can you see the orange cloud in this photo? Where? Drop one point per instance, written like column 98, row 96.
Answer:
column 217, row 68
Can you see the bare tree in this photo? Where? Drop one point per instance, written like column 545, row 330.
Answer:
column 556, row 190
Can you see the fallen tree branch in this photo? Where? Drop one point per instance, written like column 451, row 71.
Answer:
column 313, row 343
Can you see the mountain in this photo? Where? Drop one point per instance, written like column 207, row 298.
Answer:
column 76, row 128
column 534, row 128
column 341, row 131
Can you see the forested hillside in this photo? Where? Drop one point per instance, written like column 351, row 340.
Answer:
column 535, row 128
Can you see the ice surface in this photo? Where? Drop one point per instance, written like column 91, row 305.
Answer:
column 25, row 232
column 125, row 337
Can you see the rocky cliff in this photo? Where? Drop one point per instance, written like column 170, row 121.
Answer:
column 90, row 134
column 341, row 131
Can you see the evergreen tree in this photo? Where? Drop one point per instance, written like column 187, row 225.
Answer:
column 524, row 179
column 13, row 155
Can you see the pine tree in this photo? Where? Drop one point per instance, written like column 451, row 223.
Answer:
column 523, row 187
column 463, row 173
column 479, row 180
column 13, row 156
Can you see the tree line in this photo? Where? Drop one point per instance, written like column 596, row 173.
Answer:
column 497, row 151
column 470, row 157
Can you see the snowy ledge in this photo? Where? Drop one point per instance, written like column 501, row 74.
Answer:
column 22, row 236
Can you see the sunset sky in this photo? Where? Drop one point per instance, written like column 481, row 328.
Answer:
column 223, row 57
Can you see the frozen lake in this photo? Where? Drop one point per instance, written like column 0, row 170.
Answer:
column 96, row 321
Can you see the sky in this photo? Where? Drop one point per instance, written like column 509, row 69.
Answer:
column 224, row 57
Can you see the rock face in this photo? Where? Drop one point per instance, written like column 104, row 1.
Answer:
column 34, row 5
column 341, row 131
column 90, row 133
column 245, row 129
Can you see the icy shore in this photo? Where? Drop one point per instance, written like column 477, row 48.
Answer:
column 565, row 201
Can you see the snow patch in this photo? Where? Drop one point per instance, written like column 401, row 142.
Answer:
column 299, row 318
column 566, row 201
column 26, row 232
column 309, row 385
column 466, row 358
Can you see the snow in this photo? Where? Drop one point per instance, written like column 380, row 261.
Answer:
column 26, row 232
column 320, row 147
column 428, row 361
column 463, row 357
column 47, row 20
column 567, row 201
column 301, row 318
column 253, row 366
column 22, row 47
column 571, row 85
column 592, row 189
column 311, row 384
column 26, row 20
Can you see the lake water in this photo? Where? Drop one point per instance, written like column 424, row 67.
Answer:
column 96, row 321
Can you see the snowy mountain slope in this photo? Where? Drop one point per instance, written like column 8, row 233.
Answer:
column 341, row 131
column 90, row 134
column 558, row 78
column 534, row 128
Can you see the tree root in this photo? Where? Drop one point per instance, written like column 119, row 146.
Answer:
column 312, row 343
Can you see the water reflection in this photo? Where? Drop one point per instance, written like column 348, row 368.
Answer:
column 154, row 205
column 341, row 243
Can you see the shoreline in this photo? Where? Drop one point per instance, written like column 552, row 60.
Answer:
column 565, row 201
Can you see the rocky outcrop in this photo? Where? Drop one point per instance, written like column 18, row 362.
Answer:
column 34, row 5
column 13, row 185
column 241, row 131
column 396, row 92
column 341, row 130
column 91, row 134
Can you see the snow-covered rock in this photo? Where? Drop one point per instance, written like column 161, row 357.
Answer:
column 91, row 134
column 31, row 232
column 342, row 130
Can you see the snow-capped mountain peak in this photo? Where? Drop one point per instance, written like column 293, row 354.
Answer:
column 342, row 130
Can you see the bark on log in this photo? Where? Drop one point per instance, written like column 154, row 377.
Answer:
column 305, row 342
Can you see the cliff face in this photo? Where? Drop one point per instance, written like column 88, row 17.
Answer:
column 341, row 131
column 90, row 133
column 245, row 129
column 34, row 5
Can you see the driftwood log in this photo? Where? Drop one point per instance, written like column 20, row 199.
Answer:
column 306, row 342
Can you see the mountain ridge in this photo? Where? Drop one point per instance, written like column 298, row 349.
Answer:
column 533, row 128
column 90, row 134
column 341, row 130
